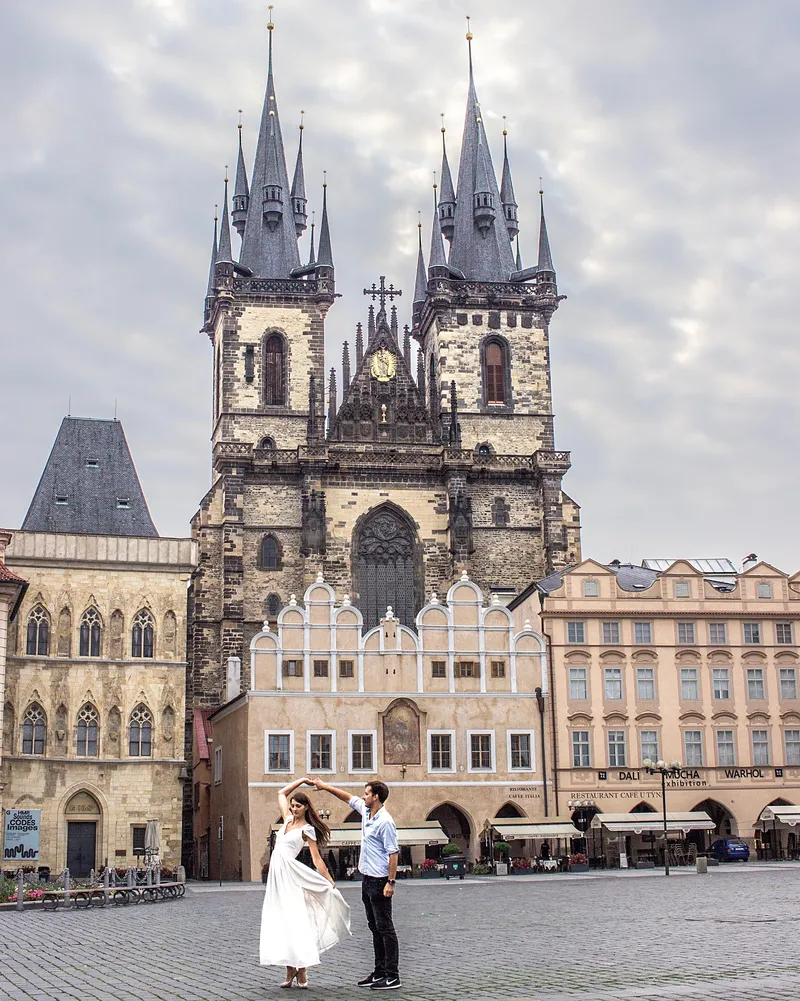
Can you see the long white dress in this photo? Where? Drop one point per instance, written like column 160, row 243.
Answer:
column 303, row 915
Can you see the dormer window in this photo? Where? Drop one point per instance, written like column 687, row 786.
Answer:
column 62, row 499
column 123, row 503
column 591, row 589
column 683, row 589
column 765, row 589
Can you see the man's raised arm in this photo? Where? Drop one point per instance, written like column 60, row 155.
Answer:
column 345, row 797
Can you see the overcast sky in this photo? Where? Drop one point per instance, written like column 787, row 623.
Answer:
column 668, row 137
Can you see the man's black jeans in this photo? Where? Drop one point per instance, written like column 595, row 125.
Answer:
column 379, row 919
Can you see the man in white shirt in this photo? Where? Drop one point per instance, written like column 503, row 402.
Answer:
column 378, row 867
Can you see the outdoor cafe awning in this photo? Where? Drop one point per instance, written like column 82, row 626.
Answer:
column 789, row 815
column 652, row 823
column 425, row 832
column 523, row 829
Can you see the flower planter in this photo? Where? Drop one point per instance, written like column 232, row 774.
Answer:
column 429, row 874
column 501, row 868
column 579, row 867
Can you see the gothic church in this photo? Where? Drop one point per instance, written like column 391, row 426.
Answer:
column 427, row 466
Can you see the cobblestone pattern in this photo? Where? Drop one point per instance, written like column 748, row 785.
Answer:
column 730, row 935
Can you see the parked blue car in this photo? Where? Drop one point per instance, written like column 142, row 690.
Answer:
column 730, row 850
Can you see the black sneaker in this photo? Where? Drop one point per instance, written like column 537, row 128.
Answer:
column 386, row 984
column 370, row 980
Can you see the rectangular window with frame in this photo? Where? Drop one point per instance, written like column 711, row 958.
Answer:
column 752, row 633
column 581, row 757
column 791, row 744
column 613, row 682
column 645, row 684
column 441, row 752
column 320, row 752
column 720, row 678
column 346, row 669
column 788, row 676
column 217, row 765
column 755, row 683
column 520, row 756
column 578, row 683
column 576, row 632
column 682, row 589
column 320, row 669
column 617, row 757
column 438, row 668
column 279, row 752
column 718, row 633
column 765, row 589
column 726, row 748
column 498, row 669
column 648, row 744
column 690, row 684
column 467, row 669
column 643, row 632
column 760, row 743
column 693, row 747
column 293, row 669
column 137, row 838
column 686, row 633
column 361, row 752
column 783, row 633
column 611, row 632
column 480, row 751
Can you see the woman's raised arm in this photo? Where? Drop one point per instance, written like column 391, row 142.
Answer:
column 284, row 794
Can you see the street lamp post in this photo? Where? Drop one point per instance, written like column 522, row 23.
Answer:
column 580, row 806
column 652, row 767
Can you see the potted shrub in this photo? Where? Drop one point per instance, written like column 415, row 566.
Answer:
column 481, row 869
column 578, row 862
column 502, row 852
column 429, row 869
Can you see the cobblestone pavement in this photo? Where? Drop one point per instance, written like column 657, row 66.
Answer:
column 730, row 935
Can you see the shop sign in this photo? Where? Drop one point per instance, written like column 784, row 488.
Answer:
column 21, row 841
column 677, row 778
column 524, row 792
column 745, row 773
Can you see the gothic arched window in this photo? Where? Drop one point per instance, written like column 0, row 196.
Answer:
column 496, row 372
column 140, row 732
column 91, row 629
column 87, row 731
column 38, row 638
column 274, row 371
column 142, row 634
column 34, row 729
column 267, row 444
column 386, row 568
column 269, row 554
column 433, row 388
column 272, row 606
column 500, row 514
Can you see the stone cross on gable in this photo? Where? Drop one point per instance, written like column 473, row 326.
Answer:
column 382, row 292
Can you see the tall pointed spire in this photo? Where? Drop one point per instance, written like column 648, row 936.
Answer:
column 299, row 199
column 225, row 252
column 545, row 263
column 519, row 256
column 447, row 196
column 421, row 373
column 325, row 256
column 393, row 323
column 480, row 247
column 370, row 324
column 311, row 258
column 345, row 367
column 269, row 244
column 359, row 345
column 421, row 282
column 241, row 191
column 407, row 346
column 210, row 290
column 437, row 263
column 507, row 193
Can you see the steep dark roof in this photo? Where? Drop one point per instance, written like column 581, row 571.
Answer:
column 91, row 466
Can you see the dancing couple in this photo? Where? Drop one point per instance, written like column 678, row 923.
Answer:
column 304, row 914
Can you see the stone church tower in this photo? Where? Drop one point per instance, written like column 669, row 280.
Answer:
column 427, row 467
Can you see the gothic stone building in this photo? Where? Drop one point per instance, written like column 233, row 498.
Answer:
column 94, row 693
column 425, row 467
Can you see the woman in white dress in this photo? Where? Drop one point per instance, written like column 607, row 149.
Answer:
column 303, row 914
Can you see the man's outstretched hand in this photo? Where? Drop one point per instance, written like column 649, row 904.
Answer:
column 317, row 783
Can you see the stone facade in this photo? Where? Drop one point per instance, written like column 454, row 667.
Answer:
column 318, row 675
column 12, row 591
column 680, row 665
column 85, row 680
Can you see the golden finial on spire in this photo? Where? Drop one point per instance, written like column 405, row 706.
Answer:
column 240, row 119
column 226, row 173
column 434, row 181
column 441, row 115
column 270, row 25
column 324, row 178
column 469, row 32
column 302, row 116
column 419, row 220
column 541, row 187
column 505, row 132
column 216, row 213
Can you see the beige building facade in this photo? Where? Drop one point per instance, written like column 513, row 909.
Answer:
column 687, row 661
column 94, row 701
column 447, row 715
column 12, row 591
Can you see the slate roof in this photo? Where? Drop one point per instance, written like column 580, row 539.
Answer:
column 202, row 732
column 93, row 492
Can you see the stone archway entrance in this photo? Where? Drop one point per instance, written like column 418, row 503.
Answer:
column 82, row 816
column 509, row 810
column 724, row 824
column 455, row 824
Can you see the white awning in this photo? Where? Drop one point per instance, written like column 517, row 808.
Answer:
column 653, row 823
column 523, row 829
column 789, row 815
column 425, row 832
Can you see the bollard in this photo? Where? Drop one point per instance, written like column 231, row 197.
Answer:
column 129, row 877
column 702, row 865
column 158, row 876
column 20, row 890
column 181, row 874
column 66, row 889
column 149, row 878
column 92, row 877
column 106, row 894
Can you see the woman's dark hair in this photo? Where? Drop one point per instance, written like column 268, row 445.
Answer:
column 379, row 789
column 312, row 817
